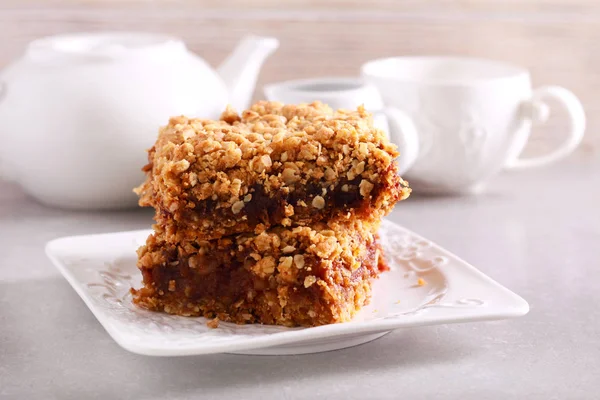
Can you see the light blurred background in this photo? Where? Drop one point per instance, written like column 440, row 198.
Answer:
column 556, row 39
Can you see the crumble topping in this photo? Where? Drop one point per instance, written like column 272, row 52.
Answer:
column 293, row 162
column 249, row 278
column 268, row 215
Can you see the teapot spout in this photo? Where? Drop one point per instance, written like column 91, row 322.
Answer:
column 240, row 70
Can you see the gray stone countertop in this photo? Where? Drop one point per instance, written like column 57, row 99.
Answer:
column 536, row 232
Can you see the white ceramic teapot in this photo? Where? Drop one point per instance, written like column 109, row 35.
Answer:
column 78, row 111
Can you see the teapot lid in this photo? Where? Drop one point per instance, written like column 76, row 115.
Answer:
column 102, row 46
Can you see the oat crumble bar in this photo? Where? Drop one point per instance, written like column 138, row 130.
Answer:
column 274, row 164
column 267, row 217
column 303, row 276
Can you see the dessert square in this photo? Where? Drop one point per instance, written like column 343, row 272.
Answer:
column 302, row 276
column 275, row 164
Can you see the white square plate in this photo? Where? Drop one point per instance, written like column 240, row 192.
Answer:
column 101, row 269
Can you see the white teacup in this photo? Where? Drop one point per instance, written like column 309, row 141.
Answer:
column 473, row 117
column 349, row 93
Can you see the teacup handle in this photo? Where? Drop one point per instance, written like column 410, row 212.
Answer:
column 403, row 134
column 538, row 111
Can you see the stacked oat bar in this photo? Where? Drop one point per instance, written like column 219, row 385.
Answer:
column 269, row 216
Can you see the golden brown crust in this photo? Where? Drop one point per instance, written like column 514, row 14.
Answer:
column 302, row 276
column 268, row 216
column 273, row 165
